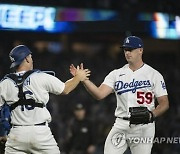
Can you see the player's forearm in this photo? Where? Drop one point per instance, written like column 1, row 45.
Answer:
column 160, row 110
column 71, row 84
column 162, row 107
column 92, row 89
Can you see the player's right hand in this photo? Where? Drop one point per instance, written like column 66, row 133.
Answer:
column 82, row 73
column 73, row 69
column 79, row 71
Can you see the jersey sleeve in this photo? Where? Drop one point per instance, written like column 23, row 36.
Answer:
column 110, row 79
column 53, row 84
column 160, row 86
column 1, row 100
column 4, row 85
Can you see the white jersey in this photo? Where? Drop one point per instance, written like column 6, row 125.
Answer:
column 37, row 86
column 138, row 88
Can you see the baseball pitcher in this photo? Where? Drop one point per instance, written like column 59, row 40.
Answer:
column 136, row 86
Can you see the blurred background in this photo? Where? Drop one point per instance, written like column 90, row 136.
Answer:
column 62, row 32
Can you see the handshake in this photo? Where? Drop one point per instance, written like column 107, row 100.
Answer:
column 79, row 72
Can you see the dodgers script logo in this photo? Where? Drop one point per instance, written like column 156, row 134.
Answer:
column 123, row 87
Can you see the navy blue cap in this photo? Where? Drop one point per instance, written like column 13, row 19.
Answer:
column 132, row 42
column 18, row 54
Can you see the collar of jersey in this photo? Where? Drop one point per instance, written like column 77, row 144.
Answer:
column 20, row 73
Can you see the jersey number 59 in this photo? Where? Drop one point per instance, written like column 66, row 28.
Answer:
column 144, row 97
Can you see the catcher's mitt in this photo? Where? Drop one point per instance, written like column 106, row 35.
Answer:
column 4, row 120
column 140, row 115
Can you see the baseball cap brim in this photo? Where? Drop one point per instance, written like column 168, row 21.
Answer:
column 14, row 64
column 127, row 46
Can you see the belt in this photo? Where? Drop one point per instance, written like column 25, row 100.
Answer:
column 40, row 124
column 124, row 118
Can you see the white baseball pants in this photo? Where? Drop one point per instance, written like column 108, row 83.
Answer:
column 31, row 139
column 138, row 137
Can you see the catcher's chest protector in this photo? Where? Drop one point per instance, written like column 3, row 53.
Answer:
column 19, row 80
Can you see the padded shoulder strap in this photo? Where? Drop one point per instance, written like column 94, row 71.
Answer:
column 26, row 74
column 50, row 72
column 12, row 76
column 19, row 80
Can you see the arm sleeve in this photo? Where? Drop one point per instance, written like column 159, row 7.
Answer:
column 1, row 100
column 109, row 79
column 159, row 85
column 53, row 84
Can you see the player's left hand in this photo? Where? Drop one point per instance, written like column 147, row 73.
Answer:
column 140, row 115
column 72, row 69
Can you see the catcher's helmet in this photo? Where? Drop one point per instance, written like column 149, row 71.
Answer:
column 132, row 42
column 18, row 54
